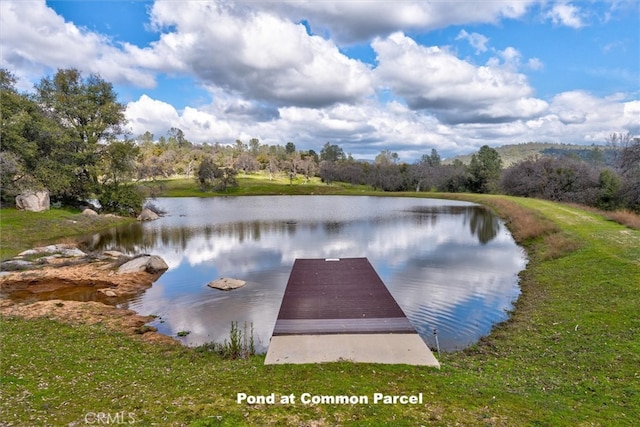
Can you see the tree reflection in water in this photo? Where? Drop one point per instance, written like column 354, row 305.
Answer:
column 451, row 265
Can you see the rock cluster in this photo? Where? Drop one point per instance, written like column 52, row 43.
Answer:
column 46, row 270
column 50, row 268
column 42, row 255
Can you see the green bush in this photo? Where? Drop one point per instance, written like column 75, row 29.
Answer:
column 609, row 182
column 239, row 346
column 122, row 199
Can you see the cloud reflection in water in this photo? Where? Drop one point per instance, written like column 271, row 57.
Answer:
column 450, row 265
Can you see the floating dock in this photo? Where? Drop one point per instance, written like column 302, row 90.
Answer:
column 339, row 309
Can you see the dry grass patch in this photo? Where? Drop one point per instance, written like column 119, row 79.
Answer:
column 624, row 217
column 530, row 227
column 527, row 225
column 557, row 245
column 523, row 223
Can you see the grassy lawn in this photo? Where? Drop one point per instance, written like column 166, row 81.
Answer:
column 22, row 230
column 257, row 184
column 569, row 355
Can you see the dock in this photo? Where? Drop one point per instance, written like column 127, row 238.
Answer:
column 340, row 310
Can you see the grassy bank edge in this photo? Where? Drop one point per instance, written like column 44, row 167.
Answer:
column 21, row 230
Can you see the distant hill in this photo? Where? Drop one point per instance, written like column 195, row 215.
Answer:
column 514, row 153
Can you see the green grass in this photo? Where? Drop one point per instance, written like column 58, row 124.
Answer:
column 22, row 230
column 257, row 184
column 568, row 356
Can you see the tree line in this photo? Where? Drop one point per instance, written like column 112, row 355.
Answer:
column 68, row 137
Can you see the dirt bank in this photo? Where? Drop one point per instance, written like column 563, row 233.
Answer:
column 92, row 312
column 40, row 290
column 99, row 275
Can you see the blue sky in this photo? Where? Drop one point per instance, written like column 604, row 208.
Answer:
column 404, row 76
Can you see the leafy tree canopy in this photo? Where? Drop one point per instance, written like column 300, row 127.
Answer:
column 332, row 153
column 485, row 169
column 61, row 137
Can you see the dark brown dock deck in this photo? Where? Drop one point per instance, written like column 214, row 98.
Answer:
column 333, row 303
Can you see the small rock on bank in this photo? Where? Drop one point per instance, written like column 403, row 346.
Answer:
column 62, row 249
column 108, row 292
column 148, row 263
column 226, row 284
column 147, row 215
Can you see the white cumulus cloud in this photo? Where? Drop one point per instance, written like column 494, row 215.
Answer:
column 433, row 79
column 279, row 71
column 257, row 54
column 35, row 40
column 356, row 21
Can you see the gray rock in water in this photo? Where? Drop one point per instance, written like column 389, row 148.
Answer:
column 35, row 201
column 148, row 263
column 147, row 215
column 226, row 284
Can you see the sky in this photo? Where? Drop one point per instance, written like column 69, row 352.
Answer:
column 368, row 75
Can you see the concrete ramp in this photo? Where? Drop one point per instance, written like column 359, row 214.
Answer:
column 339, row 309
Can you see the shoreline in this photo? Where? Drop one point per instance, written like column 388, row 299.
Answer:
column 572, row 327
column 106, row 277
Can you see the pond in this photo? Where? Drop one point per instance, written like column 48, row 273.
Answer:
column 452, row 266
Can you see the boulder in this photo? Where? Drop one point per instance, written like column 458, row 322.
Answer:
column 147, row 215
column 89, row 212
column 71, row 252
column 147, row 263
column 226, row 284
column 113, row 254
column 34, row 201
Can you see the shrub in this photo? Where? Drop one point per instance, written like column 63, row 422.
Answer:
column 239, row 346
column 608, row 199
column 123, row 199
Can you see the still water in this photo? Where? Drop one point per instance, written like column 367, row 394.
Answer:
column 452, row 266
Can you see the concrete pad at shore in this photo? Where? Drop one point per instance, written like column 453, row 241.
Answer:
column 406, row 349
